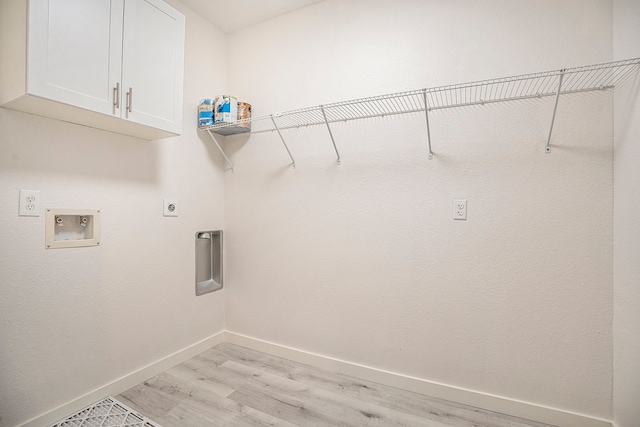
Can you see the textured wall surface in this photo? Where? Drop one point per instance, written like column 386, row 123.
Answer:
column 363, row 262
column 626, row 325
column 72, row 320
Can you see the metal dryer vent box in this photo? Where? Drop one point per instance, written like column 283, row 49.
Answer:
column 208, row 261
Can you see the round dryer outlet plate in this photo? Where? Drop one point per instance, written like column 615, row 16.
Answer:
column 171, row 207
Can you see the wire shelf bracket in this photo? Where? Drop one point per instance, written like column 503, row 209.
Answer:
column 324, row 115
column 426, row 116
column 603, row 76
column 547, row 148
column 220, row 148
column 293, row 161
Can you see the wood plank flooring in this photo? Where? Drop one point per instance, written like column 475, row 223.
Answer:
column 230, row 385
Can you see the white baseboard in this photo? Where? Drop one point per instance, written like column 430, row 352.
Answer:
column 477, row 399
column 126, row 382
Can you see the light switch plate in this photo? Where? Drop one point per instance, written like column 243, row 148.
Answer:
column 171, row 207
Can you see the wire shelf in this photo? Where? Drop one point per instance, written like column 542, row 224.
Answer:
column 535, row 85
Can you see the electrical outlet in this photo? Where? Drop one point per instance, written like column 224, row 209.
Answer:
column 29, row 204
column 460, row 209
column 170, row 207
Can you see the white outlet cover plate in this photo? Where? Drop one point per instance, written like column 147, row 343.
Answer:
column 460, row 209
column 29, row 204
column 171, row 207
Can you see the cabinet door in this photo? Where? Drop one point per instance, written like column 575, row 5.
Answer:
column 75, row 51
column 153, row 64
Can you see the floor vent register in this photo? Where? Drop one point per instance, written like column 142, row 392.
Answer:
column 107, row 412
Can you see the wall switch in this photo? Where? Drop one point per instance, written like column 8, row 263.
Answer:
column 29, row 204
column 460, row 209
column 170, row 207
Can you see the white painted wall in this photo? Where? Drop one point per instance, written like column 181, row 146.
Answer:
column 73, row 320
column 362, row 262
column 626, row 323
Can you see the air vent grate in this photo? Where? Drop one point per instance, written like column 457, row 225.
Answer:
column 107, row 412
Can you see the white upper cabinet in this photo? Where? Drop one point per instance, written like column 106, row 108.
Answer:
column 74, row 51
column 112, row 64
column 152, row 64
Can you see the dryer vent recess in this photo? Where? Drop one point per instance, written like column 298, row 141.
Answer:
column 208, row 261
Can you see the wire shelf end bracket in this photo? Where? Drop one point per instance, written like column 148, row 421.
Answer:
column 221, row 150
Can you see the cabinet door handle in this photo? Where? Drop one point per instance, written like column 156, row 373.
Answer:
column 116, row 96
column 129, row 100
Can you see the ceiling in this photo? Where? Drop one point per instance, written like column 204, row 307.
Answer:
column 234, row 15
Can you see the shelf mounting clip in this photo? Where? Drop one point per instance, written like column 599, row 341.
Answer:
column 324, row 115
column 220, row 148
column 293, row 161
column 426, row 115
column 547, row 149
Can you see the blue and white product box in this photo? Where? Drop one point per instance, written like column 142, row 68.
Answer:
column 226, row 109
column 205, row 112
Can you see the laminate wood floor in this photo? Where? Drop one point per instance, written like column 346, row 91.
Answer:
column 230, row 385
